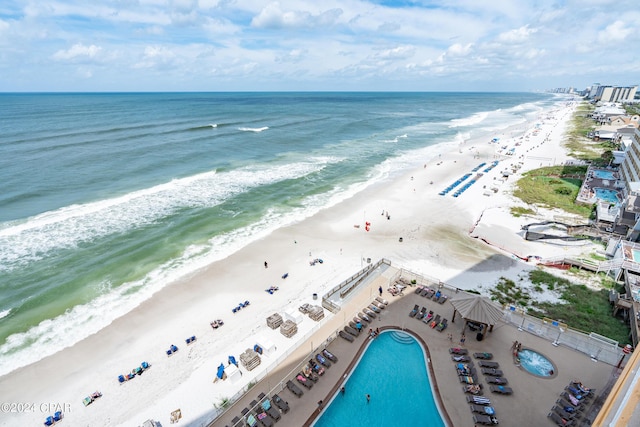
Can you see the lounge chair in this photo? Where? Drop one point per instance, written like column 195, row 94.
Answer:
column 374, row 308
column 326, row 353
column 49, row 421
column 457, row 350
column 346, row 336
column 460, row 358
column 442, row 325
column 436, row 296
column 281, row 404
column 571, row 399
column 352, row 331
column 567, row 406
column 263, row 418
column 236, row 421
column 492, row 371
column 484, row 364
column 251, row 420
column 419, row 289
column 413, row 312
column 464, row 369
column 316, row 367
column 577, row 393
column 477, row 400
column 364, row 317
column 496, row 380
column 484, row 419
column 564, row 414
column 369, row 313
column 481, row 409
column 308, row 383
column 424, row 292
column 323, row 360
column 435, row 321
column 559, row 420
column 583, row 389
column 58, row 416
column 269, row 409
column 422, row 313
column 443, row 299
column 190, row 340
column 474, row 389
column 483, row 356
column 294, row 388
column 427, row 319
column 382, row 301
column 468, row 379
column 430, row 292
column 501, row 389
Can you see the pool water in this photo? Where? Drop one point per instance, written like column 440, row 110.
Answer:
column 607, row 195
column 636, row 255
column 536, row 364
column 393, row 372
column 601, row 174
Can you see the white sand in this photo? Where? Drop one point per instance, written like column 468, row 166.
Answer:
column 435, row 231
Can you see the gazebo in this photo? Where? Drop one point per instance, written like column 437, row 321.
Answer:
column 477, row 309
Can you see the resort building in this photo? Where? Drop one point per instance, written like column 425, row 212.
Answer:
column 614, row 93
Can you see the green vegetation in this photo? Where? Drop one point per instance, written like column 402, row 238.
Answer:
column 581, row 124
column 223, row 403
column 554, row 187
column 632, row 109
column 518, row 211
column 581, row 308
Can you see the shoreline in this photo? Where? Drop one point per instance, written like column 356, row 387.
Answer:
column 417, row 214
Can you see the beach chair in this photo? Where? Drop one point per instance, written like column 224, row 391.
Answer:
column 281, row 404
column 442, row 325
column 568, row 406
column 482, row 409
column 424, row 292
column 352, row 331
column 323, row 360
column 294, row 388
column 190, row 340
column 496, row 380
column 326, row 353
column 483, row 356
column 430, row 292
column 270, row 410
column 419, row 289
column 571, row 399
column 263, row 418
column 374, row 308
column 460, row 358
column 559, row 420
column 474, row 389
column 427, row 319
column 457, row 350
column 306, row 382
column 477, row 400
column 564, row 414
column 500, row 389
column 435, row 321
column 484, row 364
column 251, row 420
column 369, row 313
column 49, row 421
column 468, row 379
column 484, row 419
column 364, row 317
column 414, row 312
column 346, row 336
column 577, row 393
column 492, row 371
column 382, row 301
column 422, row 313
column 443, row 299
column 437, row 295
column 236, row 421
column 58, row 416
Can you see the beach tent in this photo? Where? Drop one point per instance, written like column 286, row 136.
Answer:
column 477, row 309
column 233, row 373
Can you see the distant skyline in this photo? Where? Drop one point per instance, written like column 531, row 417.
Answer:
column 300, row 45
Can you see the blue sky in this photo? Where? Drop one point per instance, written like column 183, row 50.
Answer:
column 262, row 45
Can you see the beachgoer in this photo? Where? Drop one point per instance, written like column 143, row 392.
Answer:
column 368, row 398
column 266, row 265
column 462, row 339
column 380, row 290
column 342, row 390
column 377, row 331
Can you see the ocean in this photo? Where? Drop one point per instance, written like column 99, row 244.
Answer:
column 107, row 198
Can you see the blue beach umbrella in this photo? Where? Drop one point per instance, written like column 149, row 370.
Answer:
column 220, row 371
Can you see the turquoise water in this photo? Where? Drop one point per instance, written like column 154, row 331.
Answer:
column 393, row 372
column 107, row 198
column 601, row 174
column 535, row 363
column 606, row 194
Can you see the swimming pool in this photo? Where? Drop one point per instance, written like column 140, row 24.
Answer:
column 536, row 364
column 606, row 194
column 393, row 372
column 602, row 174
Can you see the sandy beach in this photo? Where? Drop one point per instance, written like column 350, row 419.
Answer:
column 436, row 242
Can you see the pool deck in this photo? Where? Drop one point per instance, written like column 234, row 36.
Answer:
column 530, row 403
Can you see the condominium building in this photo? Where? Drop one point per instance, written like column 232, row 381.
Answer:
column 614, row 93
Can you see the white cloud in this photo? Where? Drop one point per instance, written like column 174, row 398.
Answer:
column 518, row 35
column 78, row 51
column 615, row 32
column 459, row 50
column 273, row 17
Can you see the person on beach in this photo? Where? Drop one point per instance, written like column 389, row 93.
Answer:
column 462, row 339
column 266, row 265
